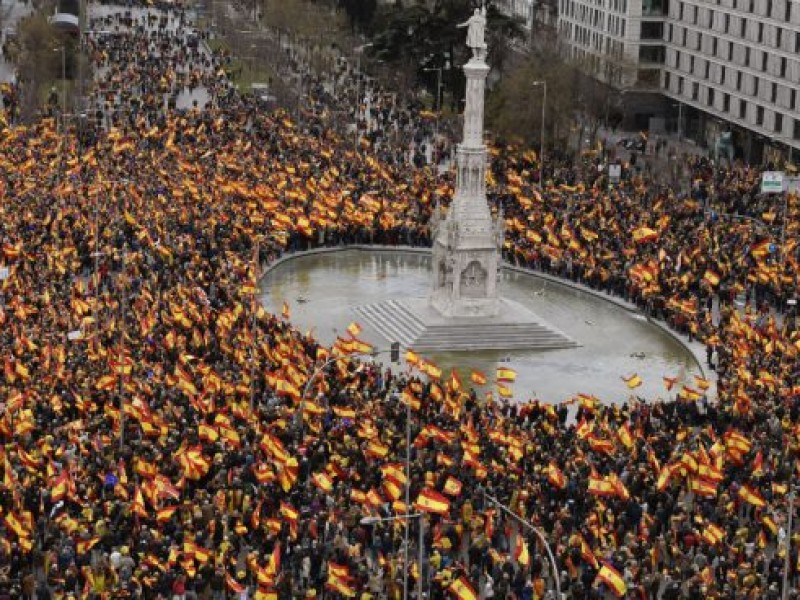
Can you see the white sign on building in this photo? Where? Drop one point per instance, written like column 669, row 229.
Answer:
column 772, row 182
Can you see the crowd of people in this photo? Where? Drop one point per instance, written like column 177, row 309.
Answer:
column 154, row 439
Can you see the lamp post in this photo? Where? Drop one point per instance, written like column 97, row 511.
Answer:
column 300, row 413
column 543, row 83
column 420, row 543
column 680, row 120
column 438, row 104
column 787, row 559
column 539, row 534
column 358, row 51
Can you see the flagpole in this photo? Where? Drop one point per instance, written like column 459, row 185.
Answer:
column 408, row 501
column 421, row 554
column 256, row 268
column 535, row 530
column 317, row 371
column 787, row 562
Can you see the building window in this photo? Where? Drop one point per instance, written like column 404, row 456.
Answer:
column 769, row 8
column 760, row 37
column 707, row 70
column 774, row 93
column 726, row 102
column 695, row 91
column 759, row 116
column 710, row 97
column 738, row 81
column 730, row 50
column 796, row 132
column 783, row 67
column 742, row 109
column 764, row 61
column 746, row 56
column 793, row 99
column 714, row 46
column 778, row 122
column 756, row 81
column 778, row 37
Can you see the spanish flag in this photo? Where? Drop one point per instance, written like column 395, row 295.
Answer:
column 633, row 381
column 83, row 546
column 323, row 482
column 430, row 369
column 504, row 391
column 751, row 496
column 354, row 329
column 669, row 382
column 455, row 380
column 612, row 578
column 233, row 585
column 433, row 502
column 521, row 554
column 644, row 234
column 462, row 590
column 506, row 374
column 625, row 437
column 412, row 358
column 477, row 377
column 712, row 534
column 555, row 476
column 599, row 486
column 285, row 311
column 165, row 514
column 711, row 277
column 14, row 523
column 339, row 580
column 702, row 383
column 452, row 487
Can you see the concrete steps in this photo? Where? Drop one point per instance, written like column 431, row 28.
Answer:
column 398, row 323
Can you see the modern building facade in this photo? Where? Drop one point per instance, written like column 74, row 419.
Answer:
column 734, row 65
column 705, row 67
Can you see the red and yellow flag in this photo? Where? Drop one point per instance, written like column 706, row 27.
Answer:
column 750, row 495
column 633, row 381
column 433, row 502
column 506, row 374
column 462, row 590
column 612, row 578
column 521, row 554
column 477, row 377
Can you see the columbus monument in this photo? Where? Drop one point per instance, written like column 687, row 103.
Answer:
column 464, row 310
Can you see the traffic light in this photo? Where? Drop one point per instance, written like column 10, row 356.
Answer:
column 395, row 352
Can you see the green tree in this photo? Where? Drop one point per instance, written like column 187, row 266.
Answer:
column 514, row 106
column 418, row 37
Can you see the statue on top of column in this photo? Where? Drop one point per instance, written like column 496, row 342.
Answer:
column 476, row 25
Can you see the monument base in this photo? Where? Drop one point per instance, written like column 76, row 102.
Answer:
column 416, row 324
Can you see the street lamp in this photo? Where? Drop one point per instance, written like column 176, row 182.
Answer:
column 543, row 83
column 438, row 85
column 538, row 532
column 63, row 50
column 680, row 120
column 420, row 543
column 307, row 388
column 121, row 282
column 787, row 564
